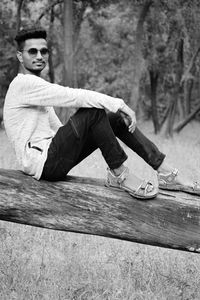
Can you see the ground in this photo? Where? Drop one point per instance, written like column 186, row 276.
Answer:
column 43, row 264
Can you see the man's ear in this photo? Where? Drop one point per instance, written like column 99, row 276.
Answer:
column 19, row 56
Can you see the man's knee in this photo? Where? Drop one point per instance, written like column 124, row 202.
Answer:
column 116, row 121
column 86, row 118
column 91, row 113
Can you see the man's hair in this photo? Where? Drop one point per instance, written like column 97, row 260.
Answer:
column 29, row 33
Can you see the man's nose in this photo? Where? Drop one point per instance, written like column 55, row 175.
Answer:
column 38, row 56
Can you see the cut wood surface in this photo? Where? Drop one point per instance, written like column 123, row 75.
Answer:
column 85, row 205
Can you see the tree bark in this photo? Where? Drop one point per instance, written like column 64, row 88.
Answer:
column 180, row 80
column 138, row 60
column 68, row 44
column 51, row 68
column 187, row 74
column 153, row 82
column 18, row 24
column 18, row 18
column 188, row 81
column 85, row 205
column 177, row 89
column 187, row 95
column 68, row 55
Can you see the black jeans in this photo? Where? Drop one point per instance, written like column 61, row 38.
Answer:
column 89, row 129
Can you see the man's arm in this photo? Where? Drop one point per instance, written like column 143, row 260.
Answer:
column 38, row 92
column 42, row 93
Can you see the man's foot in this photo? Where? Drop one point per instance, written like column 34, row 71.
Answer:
column 170, row 179
column 135, row 186
column 167, row 170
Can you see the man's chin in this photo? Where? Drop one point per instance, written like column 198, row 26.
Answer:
column 39, row 67
column 36, row 70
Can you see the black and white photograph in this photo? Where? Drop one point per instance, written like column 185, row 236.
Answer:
column 99, row 150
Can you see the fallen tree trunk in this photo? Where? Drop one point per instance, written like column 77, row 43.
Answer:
column 85, row 205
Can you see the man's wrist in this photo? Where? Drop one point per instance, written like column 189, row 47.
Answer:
column 125, row 109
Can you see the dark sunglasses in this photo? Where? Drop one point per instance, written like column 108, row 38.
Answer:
column 34, row 51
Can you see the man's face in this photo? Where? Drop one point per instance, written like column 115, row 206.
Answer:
column 34, row 55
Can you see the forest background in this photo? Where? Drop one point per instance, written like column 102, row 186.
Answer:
column 144, row 51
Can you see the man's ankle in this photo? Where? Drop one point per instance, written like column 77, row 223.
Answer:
column 118, row 171
column 165, row 168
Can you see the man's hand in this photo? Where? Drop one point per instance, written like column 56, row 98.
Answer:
column 129, row 118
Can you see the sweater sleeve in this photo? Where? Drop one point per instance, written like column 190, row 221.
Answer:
column 38, row 92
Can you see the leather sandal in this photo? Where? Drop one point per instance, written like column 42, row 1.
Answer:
column 169, row 182
column 130, row 183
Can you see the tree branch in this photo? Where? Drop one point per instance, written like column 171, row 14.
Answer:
column 18, row 20
column 187, row 74
column 47, row 9
column 187, row 120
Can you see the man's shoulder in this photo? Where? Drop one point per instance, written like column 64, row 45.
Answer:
column 18, row 85
column 27, row 78
column 18, row 80
column 24, row 81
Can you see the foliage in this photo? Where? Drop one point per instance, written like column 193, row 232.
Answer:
column 105, row 59
column 104, row 47
column 167, row 24
column 6, row 50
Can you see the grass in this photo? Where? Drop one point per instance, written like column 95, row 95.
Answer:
column 43, row 264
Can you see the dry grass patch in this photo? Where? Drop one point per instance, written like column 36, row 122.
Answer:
column 43, row 264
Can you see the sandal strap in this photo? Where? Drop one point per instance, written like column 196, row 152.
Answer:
column 122, row 176
column 168, row 178
column 143, row 187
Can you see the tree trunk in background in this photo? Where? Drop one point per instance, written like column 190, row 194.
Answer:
column 18, row 16
column 154, row 82
column 138, row 61
column 68, row 44
column 180, row 79
column 188, row 81
column 18, row 24
column 177, row 90
column 51, row 69
column 187, row 95
column 68, row 59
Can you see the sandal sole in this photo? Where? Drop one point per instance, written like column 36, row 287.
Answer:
column 132, row 194
column 180, row 189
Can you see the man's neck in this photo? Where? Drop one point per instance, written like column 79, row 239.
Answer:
column 28, row 71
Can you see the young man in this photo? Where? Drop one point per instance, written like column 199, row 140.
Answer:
column 46, row 149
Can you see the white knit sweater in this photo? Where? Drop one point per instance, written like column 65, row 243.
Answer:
column 29, row 116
